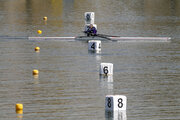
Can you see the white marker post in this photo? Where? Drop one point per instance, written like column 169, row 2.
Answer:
column 115, row 102
column 89, row 17
column 106, row 69
column 94, row 45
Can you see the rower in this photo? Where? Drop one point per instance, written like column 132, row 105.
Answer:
column 91, row 30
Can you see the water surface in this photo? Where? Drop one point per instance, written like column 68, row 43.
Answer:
column 69, row 86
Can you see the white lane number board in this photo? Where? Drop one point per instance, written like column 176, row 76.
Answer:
column 106, row 69
column 115, row 102
column 94, row 45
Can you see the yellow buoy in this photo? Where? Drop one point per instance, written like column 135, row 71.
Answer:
column 39, row 32
column 45, row 18
column 37, row 49
column 19, row 106
column 35, row 72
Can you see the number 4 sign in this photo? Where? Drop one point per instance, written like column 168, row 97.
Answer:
column 94, row 45
column 115, row 102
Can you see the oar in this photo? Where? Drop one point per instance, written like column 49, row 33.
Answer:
column 109, row 35
column 101, row 36
column 105, row 37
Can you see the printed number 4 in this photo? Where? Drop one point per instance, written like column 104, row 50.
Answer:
column 93, row 46
column 99, row 45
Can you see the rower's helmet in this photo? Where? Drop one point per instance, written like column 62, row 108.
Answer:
column 91, row 25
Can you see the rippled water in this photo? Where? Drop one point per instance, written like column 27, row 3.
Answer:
column 69, row 86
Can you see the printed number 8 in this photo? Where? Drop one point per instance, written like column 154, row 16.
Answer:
column 120, row 102
column 109, row 102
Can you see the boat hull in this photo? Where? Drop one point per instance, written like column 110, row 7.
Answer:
column 113, row 39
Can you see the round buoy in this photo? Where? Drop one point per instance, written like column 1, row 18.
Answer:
column 39, row 32
column 45, row 18
column 19, row 106
column 35, row 72
column 37, row 49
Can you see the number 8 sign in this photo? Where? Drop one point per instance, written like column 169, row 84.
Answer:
column 106, row 69
column 115, row 102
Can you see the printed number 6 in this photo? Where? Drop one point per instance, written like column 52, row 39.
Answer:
column 105, row 69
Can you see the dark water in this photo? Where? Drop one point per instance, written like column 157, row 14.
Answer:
column 69, row 86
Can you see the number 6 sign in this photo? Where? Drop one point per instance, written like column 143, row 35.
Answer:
column 106, row 69
column 115, row 102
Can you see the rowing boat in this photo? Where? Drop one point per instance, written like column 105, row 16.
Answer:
column 102, row 38
column 116, row 38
